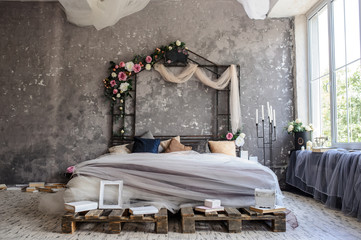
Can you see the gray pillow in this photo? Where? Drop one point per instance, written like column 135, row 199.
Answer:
column 147, row 135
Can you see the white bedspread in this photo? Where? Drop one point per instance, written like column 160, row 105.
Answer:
column 173, row 179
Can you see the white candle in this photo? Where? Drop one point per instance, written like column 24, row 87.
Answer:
column 262, row 112
column 274, row 117
column 268, row 109
column 256, row 116
column 270, row 116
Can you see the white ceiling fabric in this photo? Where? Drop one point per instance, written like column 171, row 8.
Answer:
column 104, row 13
column 100, row 13
column 255, row 9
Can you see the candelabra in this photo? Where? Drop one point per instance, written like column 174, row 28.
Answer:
column 267, row 141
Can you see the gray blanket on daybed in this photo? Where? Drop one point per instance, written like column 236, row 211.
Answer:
column 333, row 177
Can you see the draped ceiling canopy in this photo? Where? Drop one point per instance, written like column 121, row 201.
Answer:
column 104, row 13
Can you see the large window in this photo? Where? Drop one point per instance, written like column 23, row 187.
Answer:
column 334, row 71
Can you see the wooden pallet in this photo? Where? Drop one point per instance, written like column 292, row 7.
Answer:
column 115, row 218
column 233, row 217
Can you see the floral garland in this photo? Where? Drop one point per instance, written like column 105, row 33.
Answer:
column 238, row 137
column 119, row 82
column 297, row 126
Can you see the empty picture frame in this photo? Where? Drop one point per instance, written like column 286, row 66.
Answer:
column 103, row 184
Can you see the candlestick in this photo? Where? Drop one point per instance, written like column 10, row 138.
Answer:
column 257, row 116
column 274, row 117
column 262, row 112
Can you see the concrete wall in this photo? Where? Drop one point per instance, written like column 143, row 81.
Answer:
column 53, row 113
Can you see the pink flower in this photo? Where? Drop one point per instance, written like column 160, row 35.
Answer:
column 116, row 66
column 122, row 64
column 70, row 169
column 148, row 59
column 113, row 83
column 229, row 136
column 137, row 68
column 169, row 61
column 122, row 76
column 115, row 91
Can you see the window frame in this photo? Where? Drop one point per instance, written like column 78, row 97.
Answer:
column 332, row 69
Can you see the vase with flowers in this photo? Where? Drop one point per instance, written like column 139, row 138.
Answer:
column 301, row 132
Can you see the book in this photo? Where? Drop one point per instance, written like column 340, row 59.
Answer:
column 80, row 206
column 212, row 203
column 31, row 189
column 208, row 209
column 268, row 210
column 323, row 149
column 143, row 210
column 36, row 184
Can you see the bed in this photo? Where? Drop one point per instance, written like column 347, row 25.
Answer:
column 172, row 180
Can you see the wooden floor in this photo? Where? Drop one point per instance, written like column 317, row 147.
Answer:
column 20, row 219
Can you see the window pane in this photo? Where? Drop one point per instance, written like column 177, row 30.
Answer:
column 321, row 113
column 316, row 107
column 326, row 107
column 315, row 65
column 354, row 101
column 323, row 41
column 341, row 106
column 339, row 33
column 352, row 30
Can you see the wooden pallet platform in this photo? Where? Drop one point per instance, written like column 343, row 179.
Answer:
column 115, row 218
column 233, row 217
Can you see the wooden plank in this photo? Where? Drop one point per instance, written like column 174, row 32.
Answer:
column 188, row 225
column 163, row 213
column 115, row 227
column 116, row 214
column 187, row 212
column 94, row 214
column 137, row 217
column 234, row 226
column 68, row 226
column 251, row 213
column 232, row 212
column 215, row 213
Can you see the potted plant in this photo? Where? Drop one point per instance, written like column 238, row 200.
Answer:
column 301, row 132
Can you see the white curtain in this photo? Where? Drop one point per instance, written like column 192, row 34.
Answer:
column 104, row 13
column 230, row 75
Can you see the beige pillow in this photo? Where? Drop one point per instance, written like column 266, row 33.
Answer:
column 176, row 146
column 165, row 144
column 225, row 147
column 120, row 149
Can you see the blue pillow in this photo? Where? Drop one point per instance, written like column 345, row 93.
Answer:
column 145, row 145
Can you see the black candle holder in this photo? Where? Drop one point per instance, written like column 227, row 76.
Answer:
column 267, row 141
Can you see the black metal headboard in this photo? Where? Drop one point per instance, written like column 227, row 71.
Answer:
column 198, row 142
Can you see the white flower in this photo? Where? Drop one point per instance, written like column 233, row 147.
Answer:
column 178, row 43
column 298, row 120
column 121, row 108
column 239, row 141
column 129, row 66
column 113, row 98
column 290, row 128
column 121, row 101
column 114, row 74
column 123, row 87
column 118, row 95
column 242, row 135
column 308, row 128
column 170, row 48
column 148, row 67
column 122, row 131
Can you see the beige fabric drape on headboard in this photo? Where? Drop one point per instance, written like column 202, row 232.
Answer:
column 230, row 75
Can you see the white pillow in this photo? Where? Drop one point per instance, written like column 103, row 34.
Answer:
column 120, row 149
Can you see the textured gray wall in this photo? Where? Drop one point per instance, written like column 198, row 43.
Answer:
column 53, row 113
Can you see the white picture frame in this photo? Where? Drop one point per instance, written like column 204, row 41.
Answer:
column 103, row 183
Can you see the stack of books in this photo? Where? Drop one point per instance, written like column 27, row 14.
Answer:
column 143, row 210
column 210, row 205
column 80, row 206
column 267, row 210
